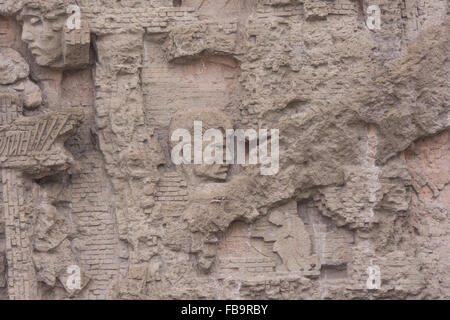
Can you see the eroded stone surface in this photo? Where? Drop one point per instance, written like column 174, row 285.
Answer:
column 363, row 182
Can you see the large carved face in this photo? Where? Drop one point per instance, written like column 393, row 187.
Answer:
column 43, row 34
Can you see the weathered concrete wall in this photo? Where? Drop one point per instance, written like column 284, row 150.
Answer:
column 358, row 208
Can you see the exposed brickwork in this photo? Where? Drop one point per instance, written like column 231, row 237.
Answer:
column 97, row 226
column 171, row 187
column 104, row 21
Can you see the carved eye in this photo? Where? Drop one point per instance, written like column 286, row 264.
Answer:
column 34, row 20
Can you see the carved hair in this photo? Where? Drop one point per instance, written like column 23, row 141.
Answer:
column 49, row 9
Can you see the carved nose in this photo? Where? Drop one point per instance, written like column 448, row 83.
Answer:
column 27, row 36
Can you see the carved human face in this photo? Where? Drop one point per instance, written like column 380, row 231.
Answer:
column 43, row 35
column 214, row 125
column 135, row 163
column 277, row 218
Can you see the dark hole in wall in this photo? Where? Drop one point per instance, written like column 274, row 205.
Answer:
column 177, row 3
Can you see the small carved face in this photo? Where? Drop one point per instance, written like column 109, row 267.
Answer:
column 210, row 169
column 278, row 218
column 43, row 35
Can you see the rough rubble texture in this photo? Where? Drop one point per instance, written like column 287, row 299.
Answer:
column 87, row 178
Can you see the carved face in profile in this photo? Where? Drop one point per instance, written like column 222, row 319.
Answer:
column 43, row 34
column 211, row 119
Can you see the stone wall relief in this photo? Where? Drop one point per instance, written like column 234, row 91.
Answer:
column 50, row 41
column 32, row 146
column 55, row 247
column 197, row 202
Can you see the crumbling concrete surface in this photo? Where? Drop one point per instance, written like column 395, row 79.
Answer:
column 355, row 97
